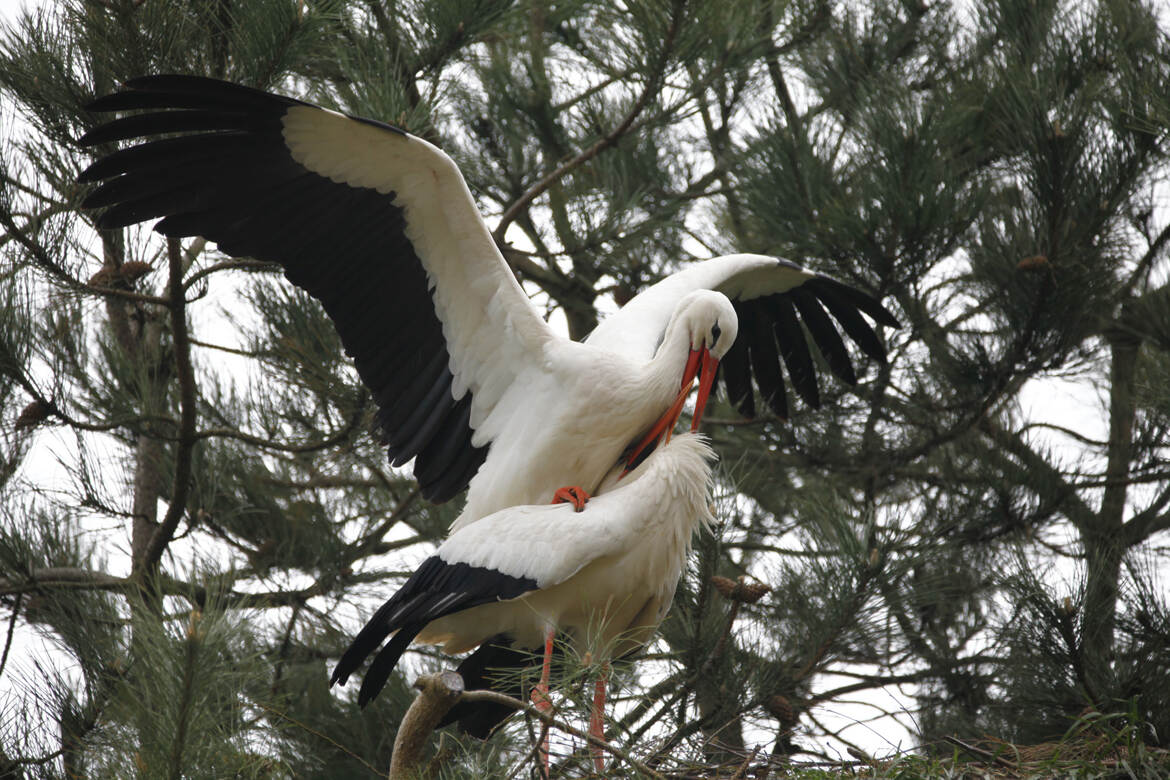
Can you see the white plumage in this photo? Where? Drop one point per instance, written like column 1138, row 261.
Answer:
column 612, row 566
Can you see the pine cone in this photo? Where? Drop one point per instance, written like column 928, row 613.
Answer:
column 780, row 708
column 32, row 415
column 740, row 590
column 134, row 270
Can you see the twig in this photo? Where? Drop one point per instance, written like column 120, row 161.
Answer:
column 516, row 704
column 249, row 265
column 981, row 753
column 222, row 348
column 742, row 771
column 11, row 631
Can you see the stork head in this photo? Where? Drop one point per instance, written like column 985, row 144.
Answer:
column 711, row 325
column 710, row 322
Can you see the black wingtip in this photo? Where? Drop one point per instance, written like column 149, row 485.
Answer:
column 385, row 661
column 885, row 317
column 87, row 176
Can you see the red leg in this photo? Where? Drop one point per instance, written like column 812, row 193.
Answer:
column 571, row 495
column 597, row 718
column 540, row 696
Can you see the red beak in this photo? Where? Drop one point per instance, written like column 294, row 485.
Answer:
column 699, row 363
column 706, row 382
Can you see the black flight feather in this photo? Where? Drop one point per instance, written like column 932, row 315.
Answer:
column 765, row 361
column 853, row 323
column 229, row 177
column 737, row 378
column 794, row 349
column 825, row 334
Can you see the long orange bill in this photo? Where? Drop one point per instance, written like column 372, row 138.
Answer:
column 667, row 421
column 706, row 382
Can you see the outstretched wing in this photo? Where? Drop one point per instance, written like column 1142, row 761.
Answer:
column 375, row 223
column 777, row 302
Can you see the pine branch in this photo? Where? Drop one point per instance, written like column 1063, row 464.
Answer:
column 44, row 579
column 1149, row 521
column 544, row 717
column 1143, row 267
column 649, row 90
column 187, row 693
column 41, row 257
column 185, row 375
column 1053, row 487
column 332, row 440
column 63, row 577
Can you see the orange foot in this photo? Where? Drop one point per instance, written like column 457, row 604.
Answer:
column 571, row 495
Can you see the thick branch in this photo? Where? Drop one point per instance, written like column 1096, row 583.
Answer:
column 437, row 694
column 185, row 375
column 1122, row 412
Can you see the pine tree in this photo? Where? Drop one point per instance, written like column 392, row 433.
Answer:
column 194, row 513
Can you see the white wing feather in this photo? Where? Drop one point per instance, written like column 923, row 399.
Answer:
column 492, row 331
column 549, row 544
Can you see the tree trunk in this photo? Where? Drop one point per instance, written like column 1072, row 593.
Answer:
column 1104, row 542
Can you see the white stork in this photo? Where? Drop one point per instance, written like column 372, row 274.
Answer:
column 604, row 576
column 471, row 383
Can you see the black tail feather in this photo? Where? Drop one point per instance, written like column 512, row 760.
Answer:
column 435, row 590
column 385, row 661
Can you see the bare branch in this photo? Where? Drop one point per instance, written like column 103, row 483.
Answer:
column 437, row 694
column 185, row 374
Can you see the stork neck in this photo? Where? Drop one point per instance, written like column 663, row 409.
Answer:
column 667, row 365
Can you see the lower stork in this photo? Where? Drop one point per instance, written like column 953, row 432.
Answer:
column 605, row 576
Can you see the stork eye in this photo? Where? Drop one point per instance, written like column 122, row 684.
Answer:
column 715, row 331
